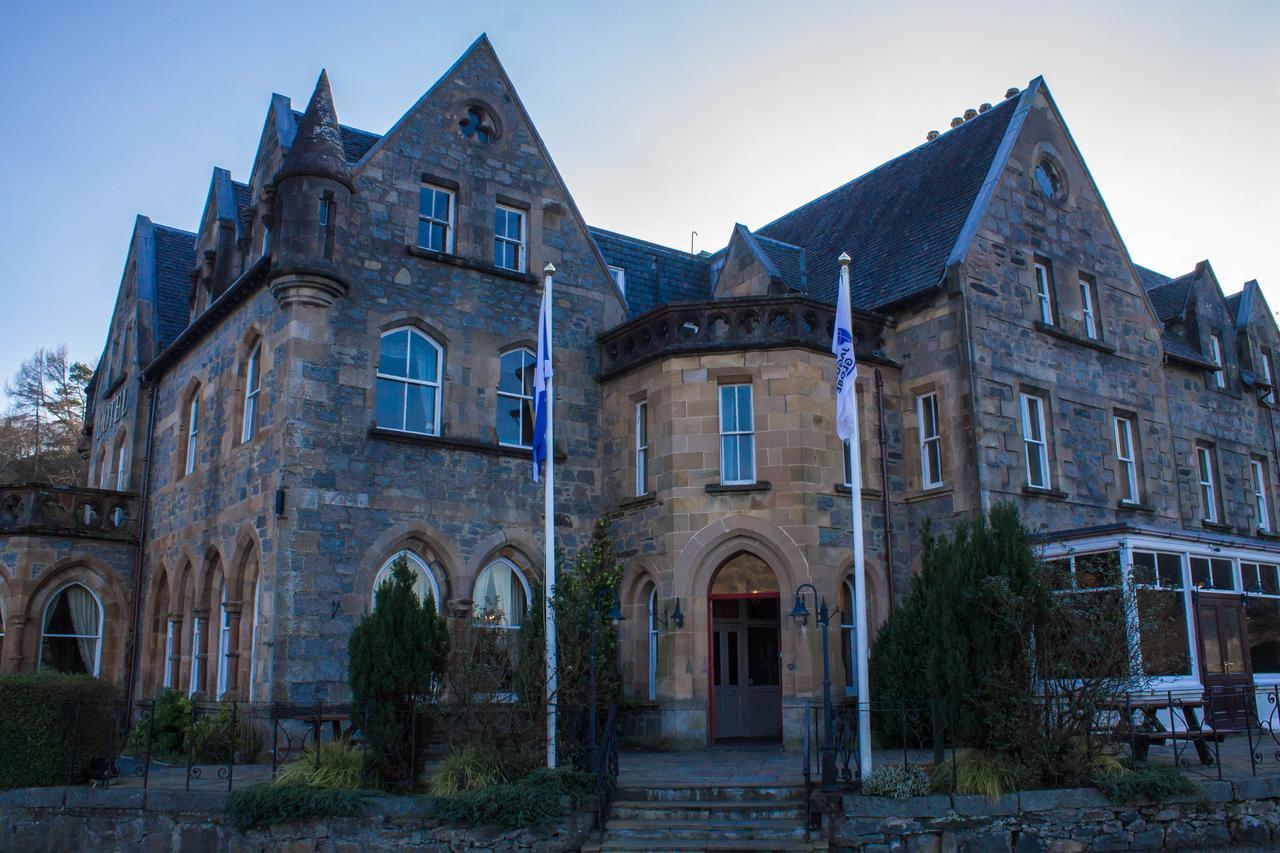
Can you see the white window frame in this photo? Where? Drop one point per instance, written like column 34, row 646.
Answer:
column 849, row 628
column 930, row 436
column 1258, row 468
column 505, row 240
column 44, row 622
column 642, row 447
column 252, row 393
column 416, row 564
column 847, row 461
column 253, row 639
column 1264, row 359
column 532, row 361
column 738, row 434
column 1040, row 445
column 193, row 429
column 224, row 645
column 524, row 582
column 1087, row 308
column 1126, row 457
column 196, row 635
column 619, row 278
column 437, row 383
column 122, row 468
column 171, row 626
column 1044, row 293
column 1208, row 475
column 652, row 638
column 447, row 224
column 1215, row 354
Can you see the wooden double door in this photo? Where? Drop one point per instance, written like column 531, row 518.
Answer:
column 746, row 663
column 1225, row 669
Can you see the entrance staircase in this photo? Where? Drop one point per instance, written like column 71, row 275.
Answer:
column 707, row 817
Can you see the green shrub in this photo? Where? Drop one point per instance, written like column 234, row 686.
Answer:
column 397, row 656
column 1152, row 784
column 171, row 712
column 987, row 774
column 467, row 769
column 266, row 804
column 898, row 781
column 539, row 798
column 223, row 734
column 340, row 764
column 48, row 717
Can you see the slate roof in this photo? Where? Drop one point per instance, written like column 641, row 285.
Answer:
column 1233, row 307
column 175, row 258
column 244, row 205
column 1170, row 300
column 1150, row 278
column 899, row 221
column 1176, row 346
column 787, row 259
column 355, row 143
column 656, row 275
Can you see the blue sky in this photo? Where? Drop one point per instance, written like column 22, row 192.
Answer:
column 664, row 117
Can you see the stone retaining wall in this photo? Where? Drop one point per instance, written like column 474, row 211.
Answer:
column 1224, row 815
column 60, row 819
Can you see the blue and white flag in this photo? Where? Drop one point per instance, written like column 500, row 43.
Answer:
column 541, row 376
column 846, row 363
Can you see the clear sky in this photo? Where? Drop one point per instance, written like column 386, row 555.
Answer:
column 664, row 117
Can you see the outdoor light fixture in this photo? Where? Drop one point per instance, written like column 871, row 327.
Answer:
column 676, row 617
column 800, row 613
column 615, row 613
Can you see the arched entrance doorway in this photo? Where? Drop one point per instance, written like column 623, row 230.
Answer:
column 745, row 645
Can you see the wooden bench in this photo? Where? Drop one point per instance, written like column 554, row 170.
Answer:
column 1152, row 732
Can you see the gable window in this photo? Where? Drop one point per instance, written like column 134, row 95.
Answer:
column 193, row 429
column 1262, row 512
column 424, row 583
column 502, row 595
column 1207, row 466
column 435, row 219
column 71, row 632
column 930, row 441
column 737, row 435
column 1037, row 446
column 1215, row 355
column 619, row 278
column 408, row 392
column 642, row 447
column 1044, row 292
column 1127, row 459
column 252, row 387
column 1265, row 361
column 1087, row 309
column 508, row 238
column 515, row 399
column 1048, row 179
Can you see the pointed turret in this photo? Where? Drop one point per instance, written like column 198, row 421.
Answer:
column 317, row 147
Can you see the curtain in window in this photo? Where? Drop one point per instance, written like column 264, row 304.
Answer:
column 84, row 621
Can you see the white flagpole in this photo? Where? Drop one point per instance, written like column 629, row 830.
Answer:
column 859, row 573
column 549, row 530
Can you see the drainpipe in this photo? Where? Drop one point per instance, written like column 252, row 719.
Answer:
column 884, row 491
column 131, row 676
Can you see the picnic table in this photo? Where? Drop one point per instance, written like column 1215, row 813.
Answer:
column 1150, row 731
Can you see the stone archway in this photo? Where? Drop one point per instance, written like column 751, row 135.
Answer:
column 744, row 616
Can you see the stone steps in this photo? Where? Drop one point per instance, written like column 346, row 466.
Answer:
column 665, row 810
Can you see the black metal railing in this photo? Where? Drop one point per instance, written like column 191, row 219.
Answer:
column 606, row 769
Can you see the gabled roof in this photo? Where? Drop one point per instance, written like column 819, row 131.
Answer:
column 355, row 142
column 1176, row 347
column 1170, row 299
column 1150, row 278
column 656, row 275
column 786, row 262
column 899, row 221
column 244, row 207
column 175, row 258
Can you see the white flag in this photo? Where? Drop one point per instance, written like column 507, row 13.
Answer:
column 846, row 363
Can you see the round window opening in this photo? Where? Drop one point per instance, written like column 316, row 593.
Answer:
column 477, row 124
column 1049, row 180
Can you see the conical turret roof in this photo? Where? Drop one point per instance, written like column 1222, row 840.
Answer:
column 317, row 146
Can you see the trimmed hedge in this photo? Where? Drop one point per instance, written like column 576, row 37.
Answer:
column 57, row 728
column 266, row 804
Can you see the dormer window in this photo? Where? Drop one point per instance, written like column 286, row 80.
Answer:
column 1215, row 355
column 1049, row 180
column 619, row 278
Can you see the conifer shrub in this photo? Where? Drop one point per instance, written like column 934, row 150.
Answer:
column 397, row 658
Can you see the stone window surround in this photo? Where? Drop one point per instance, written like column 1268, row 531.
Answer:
column 1259, row 475
column 732, row 381
column 1205, row 464
column 1090, row 306
column 187, row 462
column 438, row 385
column 251, row 340
column 1135, row 450
column 1045, row 421
column 500, row 395
column 913, row 449
column 1049, row 297
column 522, row 253
column 454, row 189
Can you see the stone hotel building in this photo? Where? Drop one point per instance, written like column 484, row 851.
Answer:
column 333, row 368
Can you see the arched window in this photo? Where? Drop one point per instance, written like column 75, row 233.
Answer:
column 424, row 582
column 192, row 431
column 652, row 647
column 502, row 595
column 71, row 632
column 515, row 399
column 252, row 391
column 197, row 637
column 170, row 653
column 224, row 643
column 122, row 463
column 253, row 637
column 408, row 393
column 848, row 638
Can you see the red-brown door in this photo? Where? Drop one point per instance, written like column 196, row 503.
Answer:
column 1225, row 669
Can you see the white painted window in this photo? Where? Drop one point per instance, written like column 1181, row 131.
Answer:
column 1127, row 460
column 1037, row 446
column 122, row 465
column 930, row 441
column 170, row 653
column 737, row 435
column 619, row 278
column 1215, row 355
column 652, row 604
column 253, row 641
column 408, row 392
column 193, row 429
column 642, row 447
column 1087, row 308
column 1208, row 483
column 197, row 635
column 424, row 582
column 224, row 644
column 71, row 632
column 515, row 399
column 502, row 597
column 435, row 219
column 848, row 638
column 1259, row 469
column 1213, row 573
column 1265, row 361
column 252, row 387
column 847, row 457
column 1044, row 293
column 508, row 238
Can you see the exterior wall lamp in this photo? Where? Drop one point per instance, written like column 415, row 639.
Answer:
column 676, row 617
